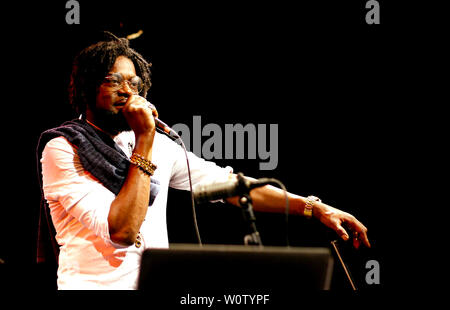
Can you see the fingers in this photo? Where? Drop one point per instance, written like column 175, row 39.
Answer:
column 153, row 108
column 342, row 232
column 138, row 102
column 358, row 232
column 140, row 115
column 363, row 236
column 149, row 105
column 356, row 242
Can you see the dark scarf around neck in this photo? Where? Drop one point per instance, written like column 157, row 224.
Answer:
column 99, row 155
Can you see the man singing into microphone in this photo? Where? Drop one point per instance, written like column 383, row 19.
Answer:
column 105, row 176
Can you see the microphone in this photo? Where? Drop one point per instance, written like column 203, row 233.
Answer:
column 164, row 128
column 215, row 191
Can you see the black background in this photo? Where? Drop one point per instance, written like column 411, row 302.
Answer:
column 333, row 84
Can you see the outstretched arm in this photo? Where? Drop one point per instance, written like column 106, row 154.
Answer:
column 272, row 199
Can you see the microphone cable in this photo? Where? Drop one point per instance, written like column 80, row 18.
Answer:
column 194, row 213
column 286, row 207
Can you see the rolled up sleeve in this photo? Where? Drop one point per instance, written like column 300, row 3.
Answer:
column 68, row 184
column 202, row 171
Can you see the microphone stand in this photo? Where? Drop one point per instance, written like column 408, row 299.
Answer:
column 253, row 238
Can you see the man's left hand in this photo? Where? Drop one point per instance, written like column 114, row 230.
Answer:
column 334, row 219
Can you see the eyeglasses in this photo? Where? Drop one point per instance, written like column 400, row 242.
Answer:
column 115, row 81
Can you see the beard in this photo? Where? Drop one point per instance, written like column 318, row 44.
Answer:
column 111, row 122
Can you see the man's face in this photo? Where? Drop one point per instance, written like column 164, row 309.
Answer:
column 112, row 96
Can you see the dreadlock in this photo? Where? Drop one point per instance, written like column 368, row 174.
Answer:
column 93, row 63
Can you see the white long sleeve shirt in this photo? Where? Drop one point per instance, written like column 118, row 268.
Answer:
column 79, row 207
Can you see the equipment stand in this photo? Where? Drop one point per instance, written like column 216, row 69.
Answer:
column 253, row 238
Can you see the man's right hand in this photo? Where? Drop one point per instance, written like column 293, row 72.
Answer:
column 140, row 117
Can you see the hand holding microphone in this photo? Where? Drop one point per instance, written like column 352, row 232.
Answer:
column 161, row 125
column 139, row 116
column 140, row 120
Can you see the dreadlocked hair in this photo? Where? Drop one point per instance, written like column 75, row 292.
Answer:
column 93, row 63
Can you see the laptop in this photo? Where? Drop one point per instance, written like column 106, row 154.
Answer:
column 189, row 271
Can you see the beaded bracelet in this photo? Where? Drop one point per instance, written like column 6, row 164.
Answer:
column 142, row 163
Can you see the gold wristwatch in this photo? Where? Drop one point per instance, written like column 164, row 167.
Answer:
column 308, row 210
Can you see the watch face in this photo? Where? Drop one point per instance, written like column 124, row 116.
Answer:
column 314, row 198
